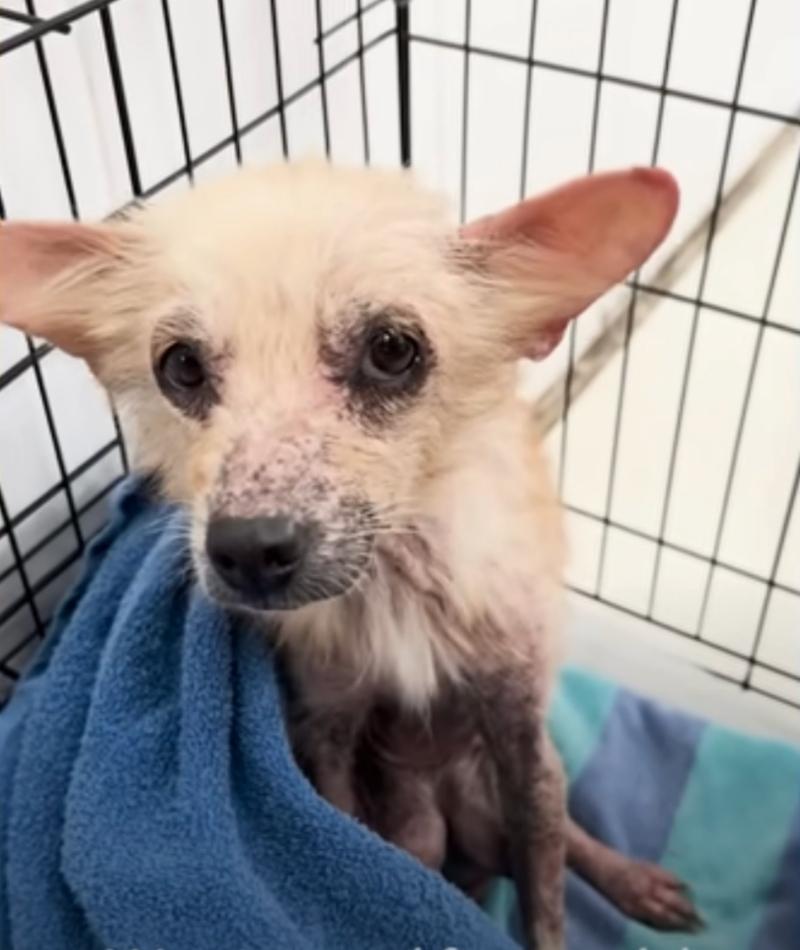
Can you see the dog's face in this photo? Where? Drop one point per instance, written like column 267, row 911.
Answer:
column 298, row 350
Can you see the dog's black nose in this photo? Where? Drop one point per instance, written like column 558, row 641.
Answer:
column 256, row 555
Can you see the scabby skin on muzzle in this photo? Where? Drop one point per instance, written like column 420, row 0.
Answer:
column 292, row 479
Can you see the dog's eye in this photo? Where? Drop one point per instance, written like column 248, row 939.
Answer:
column 181, row 367
column 389, row 354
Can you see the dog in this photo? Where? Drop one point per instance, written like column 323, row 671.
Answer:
column 320, row 368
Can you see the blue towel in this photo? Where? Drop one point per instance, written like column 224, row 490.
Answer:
column 149, row 799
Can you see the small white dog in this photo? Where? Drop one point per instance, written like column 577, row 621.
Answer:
column 321, row 368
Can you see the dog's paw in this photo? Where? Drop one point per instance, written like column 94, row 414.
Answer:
column 653, row 896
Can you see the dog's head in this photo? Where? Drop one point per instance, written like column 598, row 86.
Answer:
column 295, row 349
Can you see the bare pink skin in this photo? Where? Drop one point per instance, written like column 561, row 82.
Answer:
column 473, row 789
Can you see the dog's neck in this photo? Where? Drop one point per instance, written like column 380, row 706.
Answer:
column 397, row 632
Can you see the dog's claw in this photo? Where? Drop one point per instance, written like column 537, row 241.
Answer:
column 655, row 897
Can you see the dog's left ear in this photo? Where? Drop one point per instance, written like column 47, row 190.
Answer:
column 551, row 256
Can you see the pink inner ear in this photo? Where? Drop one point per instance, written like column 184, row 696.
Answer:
column 584, row 237
column 635, row 207
column 32, row 254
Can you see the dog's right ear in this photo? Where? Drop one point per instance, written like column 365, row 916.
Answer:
column 50, row 272
column 552, row 255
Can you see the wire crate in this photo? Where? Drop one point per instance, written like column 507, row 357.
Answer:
column 670, row 413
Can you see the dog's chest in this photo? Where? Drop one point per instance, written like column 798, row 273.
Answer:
column 407, row 649
column 426, row 740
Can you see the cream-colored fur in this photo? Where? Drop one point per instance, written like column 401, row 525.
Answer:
column 266, row 261
column 259, row 260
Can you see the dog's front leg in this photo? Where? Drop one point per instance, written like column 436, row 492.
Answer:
column 532, row 797
column 325, row 742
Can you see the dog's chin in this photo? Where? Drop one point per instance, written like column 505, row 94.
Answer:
column 302, row 592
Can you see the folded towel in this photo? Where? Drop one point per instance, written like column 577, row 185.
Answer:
column 149, row 798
